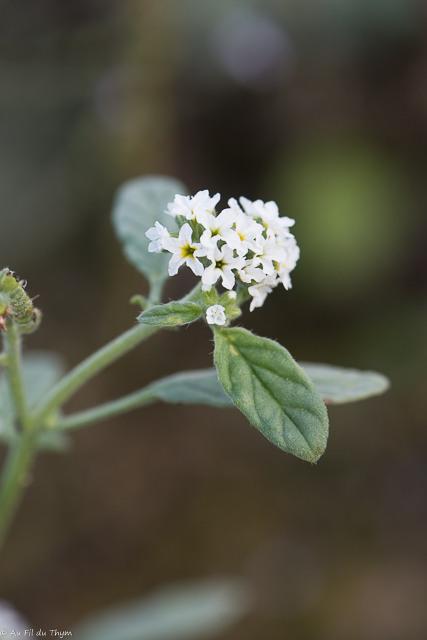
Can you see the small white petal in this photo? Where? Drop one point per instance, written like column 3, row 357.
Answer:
column 174, row 264
column 157, row 234
column 228, row 279
column 195, row 265
column 260, row 291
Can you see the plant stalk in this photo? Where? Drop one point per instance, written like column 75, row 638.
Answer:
column 12, row 347
column 13, row 481
column 107, row 410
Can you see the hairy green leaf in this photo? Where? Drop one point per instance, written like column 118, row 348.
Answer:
column 188, row 611
column 338, row 385
column 172, row 314
column 138, row 205
column 273, row 392
column 191, row 387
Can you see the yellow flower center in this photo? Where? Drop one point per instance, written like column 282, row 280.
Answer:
column 187, row 251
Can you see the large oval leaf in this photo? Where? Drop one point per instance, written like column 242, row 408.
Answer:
column 273, row 392
column 337, row 385
column 138, row 204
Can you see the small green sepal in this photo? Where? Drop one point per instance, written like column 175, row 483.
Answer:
column 210, row 297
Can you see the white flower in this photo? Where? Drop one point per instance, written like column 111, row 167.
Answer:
column 269, row 214
column 260, row 291
column 215, row 228
column 193, row 207
column 243, row 237
column 223, row 263
column 183, row 250
column 259, row 209
column 286, row 266
column 269, row 251
column 251, row 240
column 250, row 273
column 216, row 314
column 234, row 206
column 157, row 234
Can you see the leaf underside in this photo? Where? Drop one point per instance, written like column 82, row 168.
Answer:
column 138, row 205
column 338, row 385
column 192, row 387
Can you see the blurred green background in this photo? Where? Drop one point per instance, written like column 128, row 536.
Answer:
column 321, row 106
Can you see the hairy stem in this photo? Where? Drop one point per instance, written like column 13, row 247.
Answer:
column 3, row 359
column 78, row 376
column 98, row 361
column 22, row 450
column 13, row 479
column 107, row 410
column 12, row 345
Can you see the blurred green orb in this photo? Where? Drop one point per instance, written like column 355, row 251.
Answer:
column 349, row 200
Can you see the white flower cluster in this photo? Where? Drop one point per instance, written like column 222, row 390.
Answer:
column 250, row 242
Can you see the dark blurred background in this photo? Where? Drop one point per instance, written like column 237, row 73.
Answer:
column 322, row 106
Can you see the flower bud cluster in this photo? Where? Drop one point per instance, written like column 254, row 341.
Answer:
column 247, row 244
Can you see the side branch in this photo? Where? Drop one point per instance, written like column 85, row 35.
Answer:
column 107, row 410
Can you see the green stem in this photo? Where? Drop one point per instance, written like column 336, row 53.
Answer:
column 12, row 341
column 76, row 378
column 107, row 410
column 98, row 361
column 13, row 479
column 22, row 450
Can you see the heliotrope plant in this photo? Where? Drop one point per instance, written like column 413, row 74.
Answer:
column 239, row 254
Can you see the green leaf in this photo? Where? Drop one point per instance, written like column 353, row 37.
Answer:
column 40, row 371
column 191, row 387
column 181, row 612
column 337, row 385
column 273, row 392
column 172, row 314
column 138, row 205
